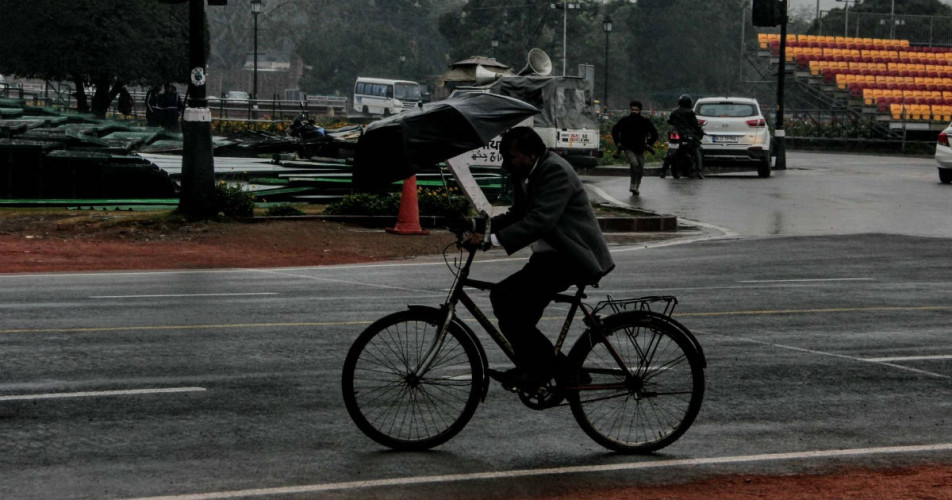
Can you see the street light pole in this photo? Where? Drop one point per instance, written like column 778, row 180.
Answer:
column 607, row 28
column 403, row 59
column 565, row 6
column 255, row 10
column 494, row 43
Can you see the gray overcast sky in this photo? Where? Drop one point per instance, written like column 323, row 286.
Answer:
column 829, row 4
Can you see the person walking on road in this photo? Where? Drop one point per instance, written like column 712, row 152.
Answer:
column 632, row 135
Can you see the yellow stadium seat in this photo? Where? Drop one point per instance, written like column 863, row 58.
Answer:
column 895, row 110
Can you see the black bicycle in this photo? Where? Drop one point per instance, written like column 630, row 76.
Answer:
column 634, row 379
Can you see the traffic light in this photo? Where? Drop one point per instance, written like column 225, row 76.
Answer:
column 768, row 12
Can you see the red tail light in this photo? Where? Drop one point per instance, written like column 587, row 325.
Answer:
column 944, row 139
column 673, row 136
column 757, row 123
column 701, row 122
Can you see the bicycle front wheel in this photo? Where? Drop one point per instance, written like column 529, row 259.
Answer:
column 398, row 404
column 640, row 383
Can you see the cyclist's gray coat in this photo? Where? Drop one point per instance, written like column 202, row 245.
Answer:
column 555, row 208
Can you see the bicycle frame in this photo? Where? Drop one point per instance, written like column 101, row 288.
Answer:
column 458, row 295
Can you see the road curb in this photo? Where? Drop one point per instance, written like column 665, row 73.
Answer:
column 652, row 223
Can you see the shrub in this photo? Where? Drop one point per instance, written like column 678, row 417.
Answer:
column 283, row 209
column 441, row 202
column 365, row 204
column 431, row 201
column 232, row 201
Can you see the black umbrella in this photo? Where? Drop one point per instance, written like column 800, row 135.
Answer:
column 401, row 145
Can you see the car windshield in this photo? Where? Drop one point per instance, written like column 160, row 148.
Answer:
column 407, row 91
column 726, row 109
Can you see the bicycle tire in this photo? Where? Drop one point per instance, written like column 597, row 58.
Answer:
column 649, row 410
column 392, row 406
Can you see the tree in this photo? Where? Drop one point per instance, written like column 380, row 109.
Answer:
column 687, row 46
column 104, row 43
column 367, row 38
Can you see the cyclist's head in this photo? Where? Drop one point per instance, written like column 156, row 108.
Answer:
column 685, row 101
column 520, row 148
column 635, row 107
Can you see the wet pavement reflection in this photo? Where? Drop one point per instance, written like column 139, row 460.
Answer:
column 818, row 193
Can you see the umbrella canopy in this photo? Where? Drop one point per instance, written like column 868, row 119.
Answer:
column 399, row 146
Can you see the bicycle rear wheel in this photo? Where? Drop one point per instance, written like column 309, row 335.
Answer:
column 392, row 404
column 649, row 398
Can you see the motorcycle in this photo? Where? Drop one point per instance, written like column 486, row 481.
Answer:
column 682, row 157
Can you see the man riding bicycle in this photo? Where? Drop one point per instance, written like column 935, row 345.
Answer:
column 552, row 213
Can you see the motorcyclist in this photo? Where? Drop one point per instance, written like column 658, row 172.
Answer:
column 686, row 125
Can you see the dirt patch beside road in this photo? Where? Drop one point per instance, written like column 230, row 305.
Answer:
column 88, row 241
column 61, row 240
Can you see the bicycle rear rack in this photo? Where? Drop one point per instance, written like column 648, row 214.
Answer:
column 649, row 303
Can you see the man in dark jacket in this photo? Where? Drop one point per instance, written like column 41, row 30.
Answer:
column 552, row 213
column 632, row 135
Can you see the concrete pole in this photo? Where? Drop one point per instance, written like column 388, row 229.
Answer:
column 197, row 198
column 779, row 133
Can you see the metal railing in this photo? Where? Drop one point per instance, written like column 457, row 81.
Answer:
column 933, row 31
column 60, row 96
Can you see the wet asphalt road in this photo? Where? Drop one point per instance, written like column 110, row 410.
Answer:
column 824, row 349
column 817, row 194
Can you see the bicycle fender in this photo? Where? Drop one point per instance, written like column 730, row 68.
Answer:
column 484, row 360
column 684, row 330
column 653, row 316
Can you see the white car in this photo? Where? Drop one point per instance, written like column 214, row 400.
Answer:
column 237, row 96
column 943, row 156
column 735, row 131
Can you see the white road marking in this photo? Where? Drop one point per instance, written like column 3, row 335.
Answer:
column 910, row 358
column 584, row 469
column 95, row 394
column 807, row 280
column 844, row 356
column 171, row 295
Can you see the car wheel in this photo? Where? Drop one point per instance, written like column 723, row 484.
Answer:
column 945, row 175
column 763, row 167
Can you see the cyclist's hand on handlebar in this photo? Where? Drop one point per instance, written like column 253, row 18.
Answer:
column 474, row 241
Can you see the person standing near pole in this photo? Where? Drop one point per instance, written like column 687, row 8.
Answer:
column 632, row 135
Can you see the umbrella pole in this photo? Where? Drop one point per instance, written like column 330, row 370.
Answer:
column 408, row 220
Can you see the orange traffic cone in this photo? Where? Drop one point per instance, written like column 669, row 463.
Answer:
column 408, row 220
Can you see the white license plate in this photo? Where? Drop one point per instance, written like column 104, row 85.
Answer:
column 724, row 138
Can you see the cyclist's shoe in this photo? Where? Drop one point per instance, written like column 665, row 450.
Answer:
column 518, row 379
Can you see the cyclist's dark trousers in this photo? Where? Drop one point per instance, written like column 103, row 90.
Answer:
column 519, row 301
